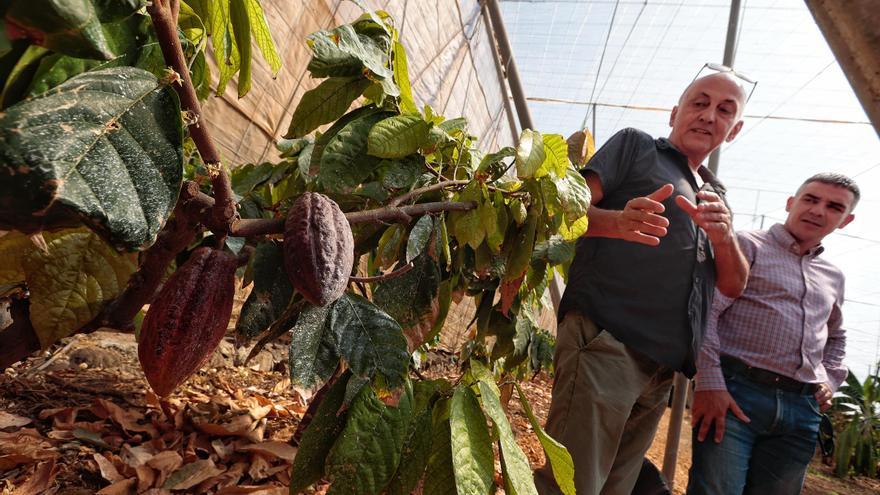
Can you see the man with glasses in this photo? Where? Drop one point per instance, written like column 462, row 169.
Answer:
column 641, row 284
column 774, row 355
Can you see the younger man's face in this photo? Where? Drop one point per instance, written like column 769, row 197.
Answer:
column 817, row 210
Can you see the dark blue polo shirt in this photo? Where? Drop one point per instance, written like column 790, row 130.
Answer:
column 654, row 299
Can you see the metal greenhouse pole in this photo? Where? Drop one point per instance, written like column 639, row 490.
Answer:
column 681, row 384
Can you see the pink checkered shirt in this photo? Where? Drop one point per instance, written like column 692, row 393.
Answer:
column 787, row 320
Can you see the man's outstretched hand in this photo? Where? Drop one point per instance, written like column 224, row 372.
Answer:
column 640, row 220
column 711, row 215
column 710, row 406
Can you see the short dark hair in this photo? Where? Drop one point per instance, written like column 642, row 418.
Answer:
column 839, row 180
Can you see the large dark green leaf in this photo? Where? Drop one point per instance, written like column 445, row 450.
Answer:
column 71, row 27
column 418, row 237
column 343, row 52
column 270, row 295
column 325, row 103
column 417, row 441
column 344, row 162
column 367, row 453
column 369, row 340
column 517, row 473
column 104, row 147
column 472, row 455
column 411, row 299
column 313, row 357
column 440, row 475
column 319, row 437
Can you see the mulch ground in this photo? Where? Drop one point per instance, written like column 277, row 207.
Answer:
column 85, row 427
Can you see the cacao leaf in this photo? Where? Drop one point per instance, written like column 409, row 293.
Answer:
column 517, row 473
column 262, row 36
column 411, row 299
column 319, row 437
column 398, row 136
column 70, row 282
column 369, row 340
column 556, row 162
column 389, row 245
column 343, row 52
column 560, row 459
column 71, row 27
column 529, row 154
column 403, row 174
column 344, row 162
column 325, row 103
column 15, row 87
column 14, row 247
column 492, row 166
column 271, row 293
column 401, row 76
column 521, row 254
column 472, row 457
column 469, row 229
column 417, row 441
column 445, row 301
column 313, row 357
column 481, row 373
column 419, row 237
column 366, row 455
column 574, row 194
column 521, row 340
column 241, row 29
column 105, row 147
column 440, row 475
column 554, row 250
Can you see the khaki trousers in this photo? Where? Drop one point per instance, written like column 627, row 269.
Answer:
column 607, row 401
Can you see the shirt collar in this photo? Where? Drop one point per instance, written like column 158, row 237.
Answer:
column 786, row 240
column 705, row 173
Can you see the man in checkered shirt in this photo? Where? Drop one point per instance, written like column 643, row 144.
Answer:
column 773, row 356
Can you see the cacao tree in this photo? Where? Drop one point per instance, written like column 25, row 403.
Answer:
column 378, row 217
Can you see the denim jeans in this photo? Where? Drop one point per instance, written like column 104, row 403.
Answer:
column 768, row 456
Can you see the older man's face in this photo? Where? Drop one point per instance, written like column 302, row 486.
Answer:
column 707, row 115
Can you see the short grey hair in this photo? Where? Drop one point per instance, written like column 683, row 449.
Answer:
column 839, row 180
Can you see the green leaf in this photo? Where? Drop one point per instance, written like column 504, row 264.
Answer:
column 521, row 253
column 343, row 52
column 104, row 147
column 313, row 356
column 469, row 229
column 481, row 373
column 472, row 456
column 403, row 174
column 556, row 162
column 492, row 165
column 319, row 437
column 554, row 250
column 344, row 161
column 515, row 464
column 529, row 154
column 324, row 104
column 411, row 299
column 71, row 281
column 15, row 86
column 401, row 76
column 370, row 341
column 440, row 475
column 419, row 237
column 262, row 36
column 560, row 459
column 574, row 194
column 389, row 245
column 417, row 441
column 72, row 27
column 241, row 28
column 366, row 455
column 271, row 293
column 398, row 136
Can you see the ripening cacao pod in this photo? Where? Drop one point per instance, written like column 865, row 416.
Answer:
column 318, row 248
column 188, row 319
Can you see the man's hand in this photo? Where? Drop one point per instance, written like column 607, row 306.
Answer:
column 640, row 220
column 711, row 406
column 823, row 396
column 711, row 215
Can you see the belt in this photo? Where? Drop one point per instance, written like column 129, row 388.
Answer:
column 767, row 377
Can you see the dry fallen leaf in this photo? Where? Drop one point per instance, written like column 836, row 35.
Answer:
column 191, row 475
column 108, row 470
column 165, row 462
column 254, row 490
column 40, row 481
column 281, row 450
column 122, row 487
column 8, row 420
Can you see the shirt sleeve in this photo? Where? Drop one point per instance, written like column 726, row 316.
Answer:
column 835, row 347
column 709, row 374
column 613, row 160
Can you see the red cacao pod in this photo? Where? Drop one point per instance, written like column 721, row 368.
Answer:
column 188, row 319
column 318, row 248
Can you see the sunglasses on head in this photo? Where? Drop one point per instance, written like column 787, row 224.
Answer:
column 728, row 70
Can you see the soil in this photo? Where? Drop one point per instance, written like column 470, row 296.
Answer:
column 82, row 420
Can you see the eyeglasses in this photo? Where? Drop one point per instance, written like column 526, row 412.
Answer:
column 727, row 70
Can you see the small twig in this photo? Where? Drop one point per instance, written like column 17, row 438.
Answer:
column 363, row 289
column 422, row 190
column 57, row 354
column 279, row 328
column 385, row 276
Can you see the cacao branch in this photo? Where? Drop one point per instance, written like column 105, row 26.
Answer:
column 422, row 190
column 164, row 16
column 385, row 276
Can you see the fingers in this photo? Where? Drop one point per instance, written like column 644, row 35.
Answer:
column 824, row 406
column 719, row 429
column 686, row 205
column 705, row 424
column 661, row 194
column 734, row 408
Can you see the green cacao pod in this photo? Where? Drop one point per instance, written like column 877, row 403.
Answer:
column 318, row 248
column 188, row 319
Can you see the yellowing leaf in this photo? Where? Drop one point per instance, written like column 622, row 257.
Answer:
column 70, row 283
column 13, row 247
